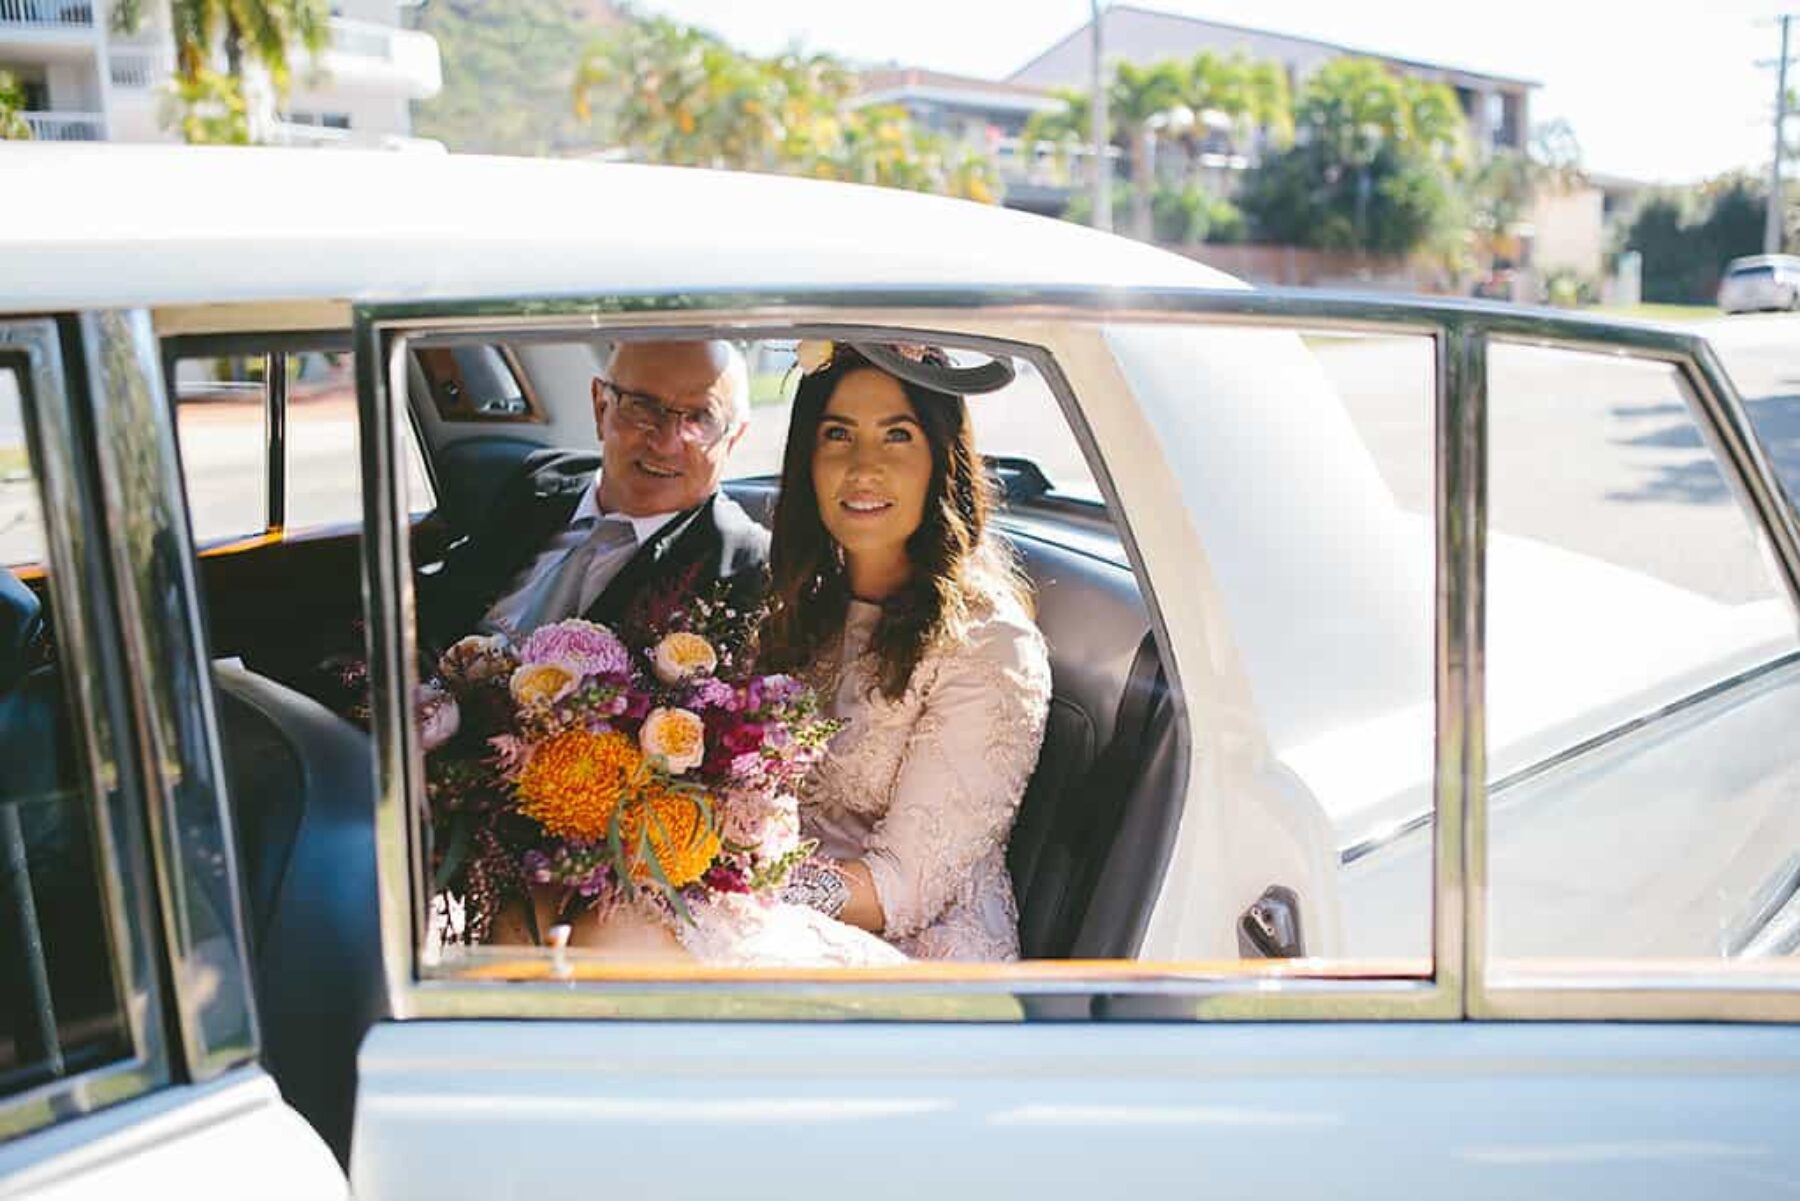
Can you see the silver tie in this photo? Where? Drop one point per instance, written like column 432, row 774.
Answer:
column 561, row 594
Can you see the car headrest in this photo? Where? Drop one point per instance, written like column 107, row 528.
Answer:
column 21, row 627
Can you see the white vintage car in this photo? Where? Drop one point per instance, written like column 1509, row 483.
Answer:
column 1419, row 810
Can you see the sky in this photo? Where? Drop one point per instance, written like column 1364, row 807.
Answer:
column 1672, row 98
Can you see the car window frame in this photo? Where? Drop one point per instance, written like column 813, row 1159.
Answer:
column 1123, row 988
column 1459, row 985
column 45, row 353
column 176, row 348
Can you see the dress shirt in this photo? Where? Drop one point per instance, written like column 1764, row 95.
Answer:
column 505, row 612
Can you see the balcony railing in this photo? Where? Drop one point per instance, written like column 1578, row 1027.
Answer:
column 48, row 14
column 66, row 127
column 131, row 71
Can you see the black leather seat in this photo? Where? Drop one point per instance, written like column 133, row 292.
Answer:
column 302, row 785
column 1096, row 824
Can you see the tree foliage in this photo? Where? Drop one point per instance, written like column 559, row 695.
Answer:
column 507, row 73
column 671, row 93
column 13, row 126
column 1374, row 168
column 206, row 104
column 1172, row 100
column 1686, row 241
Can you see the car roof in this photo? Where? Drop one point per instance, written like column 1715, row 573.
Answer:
column 159, row 225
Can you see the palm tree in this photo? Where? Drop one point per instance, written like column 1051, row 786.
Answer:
column 265, row 33
column 1252, row 97
column 1138, row 99
column 12, row 109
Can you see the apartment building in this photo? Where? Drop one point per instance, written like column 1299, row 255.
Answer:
column 85, row 82
column 1498, row 107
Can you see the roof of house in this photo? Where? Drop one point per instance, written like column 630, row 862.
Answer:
column 1146, row 35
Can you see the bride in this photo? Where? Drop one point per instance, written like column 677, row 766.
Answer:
column 893, row 597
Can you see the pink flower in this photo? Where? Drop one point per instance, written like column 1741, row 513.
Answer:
column 437, row 715
column 581, row 646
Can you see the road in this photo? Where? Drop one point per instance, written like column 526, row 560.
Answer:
column 1588, row 452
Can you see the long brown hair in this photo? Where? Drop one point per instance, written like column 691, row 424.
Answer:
column 958, row 567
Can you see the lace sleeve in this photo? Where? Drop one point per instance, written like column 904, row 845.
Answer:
column 967, row 762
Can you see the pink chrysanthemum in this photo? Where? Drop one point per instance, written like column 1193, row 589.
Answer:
column 581, row 646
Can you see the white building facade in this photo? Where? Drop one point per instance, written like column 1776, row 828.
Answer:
column 85, row 82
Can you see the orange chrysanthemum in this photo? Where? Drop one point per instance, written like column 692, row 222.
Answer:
column 575, row 780
column 684, row 841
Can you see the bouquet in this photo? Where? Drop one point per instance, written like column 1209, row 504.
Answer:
column 658, row 773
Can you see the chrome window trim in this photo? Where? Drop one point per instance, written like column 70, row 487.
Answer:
column 72, row 512
column 1462, row 330
column 384, row 333
column 155, row 599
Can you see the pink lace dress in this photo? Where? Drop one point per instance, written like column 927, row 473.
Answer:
column 924, row 789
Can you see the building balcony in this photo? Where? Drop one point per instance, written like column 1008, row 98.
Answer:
column 48, row 30
column 363, row 54
column 66, row 127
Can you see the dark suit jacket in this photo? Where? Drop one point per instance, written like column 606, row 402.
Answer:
column 715, row 540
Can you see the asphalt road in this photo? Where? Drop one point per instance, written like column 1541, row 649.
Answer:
column 1589, row 452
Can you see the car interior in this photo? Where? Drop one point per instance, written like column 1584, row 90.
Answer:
column 1090, row 842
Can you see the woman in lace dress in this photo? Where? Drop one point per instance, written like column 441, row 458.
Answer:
column 892, row 596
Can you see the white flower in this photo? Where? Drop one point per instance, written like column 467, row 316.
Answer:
column 812, row 355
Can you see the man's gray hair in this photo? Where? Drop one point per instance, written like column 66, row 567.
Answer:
column 736, row 374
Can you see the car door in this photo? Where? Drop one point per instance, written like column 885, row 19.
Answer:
column 131, row 1034
column 1300, row 487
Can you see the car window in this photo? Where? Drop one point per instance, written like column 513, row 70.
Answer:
column 1307, row 460
column 323, row 482
column 1643, row 672
column 221, row 420
column 221, row 407
column 65, row 1015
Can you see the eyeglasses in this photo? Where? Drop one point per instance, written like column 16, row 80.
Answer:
column 698, row 427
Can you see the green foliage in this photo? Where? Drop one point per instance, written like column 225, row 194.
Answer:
column 1686, row 241
column 1184, row 215
column 671, row 93
column 1567, row 288
column 205, row 105
column 208, row 109
column 1373, row 170
column 508, row 69
column 12, row 109
column 1393, row 204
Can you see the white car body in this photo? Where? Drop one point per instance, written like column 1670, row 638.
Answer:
column 1323, row 781
column 1759, row 282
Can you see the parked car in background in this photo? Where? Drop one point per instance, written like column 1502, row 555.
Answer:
column 1419, row 812
column 1760, row 282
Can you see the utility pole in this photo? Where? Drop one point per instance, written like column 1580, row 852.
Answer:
column 1102, row 142
column 1775, row 225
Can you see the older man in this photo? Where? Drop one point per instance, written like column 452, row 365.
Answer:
column 563, row 541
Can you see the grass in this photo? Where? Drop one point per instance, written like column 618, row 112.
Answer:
column 13, row 461
column 768, row 388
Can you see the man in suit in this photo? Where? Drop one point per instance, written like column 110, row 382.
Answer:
column 563, row 541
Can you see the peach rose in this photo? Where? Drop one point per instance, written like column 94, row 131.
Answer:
column 676, row 736
column 541, row 683
column 680, row 657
